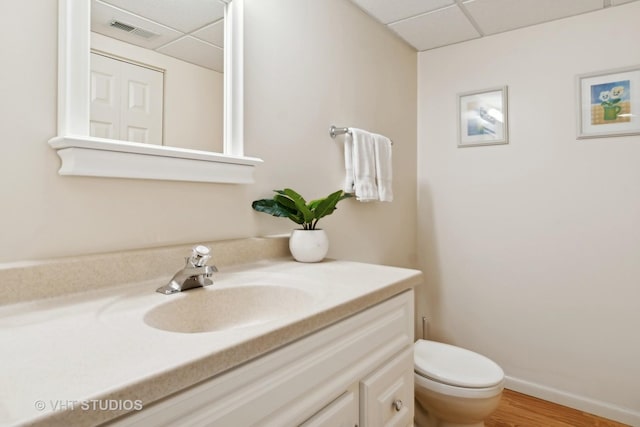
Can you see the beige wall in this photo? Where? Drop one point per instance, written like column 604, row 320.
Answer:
column 308, row 64
column 532, row 249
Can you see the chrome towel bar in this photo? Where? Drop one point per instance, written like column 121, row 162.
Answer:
column 335, row 131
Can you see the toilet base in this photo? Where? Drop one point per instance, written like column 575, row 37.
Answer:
column 423, row 419
column 436, row 409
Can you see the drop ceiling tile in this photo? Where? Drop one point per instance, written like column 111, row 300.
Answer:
column 213, row 33
column 495, row 16
column 182, row 15
column 435, row 29
column 387, row 11
column 195, row 51
column 102, row 14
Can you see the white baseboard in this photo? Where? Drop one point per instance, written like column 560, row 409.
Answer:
column 596, row 407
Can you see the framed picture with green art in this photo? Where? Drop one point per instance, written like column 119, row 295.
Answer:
column 482, row 117
column 609, row 103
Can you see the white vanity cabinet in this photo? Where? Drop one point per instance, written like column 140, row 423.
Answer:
column 356, row 372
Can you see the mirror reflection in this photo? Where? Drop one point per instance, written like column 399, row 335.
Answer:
column 157, row 72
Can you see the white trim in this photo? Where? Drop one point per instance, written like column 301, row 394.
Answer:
column 234, row 78
column 87, row 156
column 83, row 155
column 74, row 19
column 592, row 406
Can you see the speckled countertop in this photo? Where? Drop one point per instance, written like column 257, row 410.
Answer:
column 65, row 358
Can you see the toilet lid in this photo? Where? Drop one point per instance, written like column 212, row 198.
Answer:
column 455, row 366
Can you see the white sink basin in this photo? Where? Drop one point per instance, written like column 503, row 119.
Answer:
column 216, row 309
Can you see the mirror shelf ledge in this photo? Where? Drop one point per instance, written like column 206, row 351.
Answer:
column 90, row 156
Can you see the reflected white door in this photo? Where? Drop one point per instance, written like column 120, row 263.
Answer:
column 126, row 101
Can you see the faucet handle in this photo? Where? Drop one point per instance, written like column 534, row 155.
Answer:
column 200, row 255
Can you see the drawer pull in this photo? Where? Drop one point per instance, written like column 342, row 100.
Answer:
column 397, row 405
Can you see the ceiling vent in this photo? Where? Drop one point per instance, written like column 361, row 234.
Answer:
column 141, row 32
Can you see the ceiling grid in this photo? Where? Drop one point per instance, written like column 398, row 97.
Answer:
column 429, row 24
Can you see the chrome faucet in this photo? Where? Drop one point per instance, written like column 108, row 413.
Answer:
column 195, row 273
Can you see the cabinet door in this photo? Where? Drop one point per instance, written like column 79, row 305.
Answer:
column 342, row 412
column 386, row 395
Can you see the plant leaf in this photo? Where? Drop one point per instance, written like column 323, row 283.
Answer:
column 272, row 207
column 314, row 204
column 286, row 201
column 297, row 219
column 300, row 203
column 346, row 196
column 327, row 205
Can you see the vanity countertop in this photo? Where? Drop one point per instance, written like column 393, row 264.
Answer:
column 84, row 359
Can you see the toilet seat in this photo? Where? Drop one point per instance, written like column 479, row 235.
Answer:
column 455, row 366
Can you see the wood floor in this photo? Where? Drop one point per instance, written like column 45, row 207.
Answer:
column 520, row 410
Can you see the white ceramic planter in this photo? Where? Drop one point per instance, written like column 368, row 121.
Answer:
column 309, row 245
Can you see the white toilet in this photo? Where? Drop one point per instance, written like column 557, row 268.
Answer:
column 454, row 387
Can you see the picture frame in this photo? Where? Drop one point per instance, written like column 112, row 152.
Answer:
column 608, row 103
column 482, row 117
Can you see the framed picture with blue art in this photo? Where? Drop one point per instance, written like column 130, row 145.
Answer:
column 482, row 117
column 609, row 103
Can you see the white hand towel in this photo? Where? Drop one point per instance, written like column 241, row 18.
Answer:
column 348, row 186
column 364, row 165
column 384, row 172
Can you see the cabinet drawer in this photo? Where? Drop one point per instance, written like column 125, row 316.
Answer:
column 342, row 412
column 386, row 395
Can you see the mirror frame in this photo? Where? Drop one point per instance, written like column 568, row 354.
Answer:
column 83, row 155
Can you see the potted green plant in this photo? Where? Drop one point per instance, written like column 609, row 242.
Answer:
column 309, row 243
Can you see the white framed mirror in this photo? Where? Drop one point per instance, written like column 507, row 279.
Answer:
column 85, row 155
